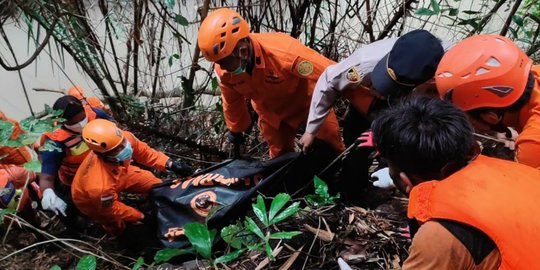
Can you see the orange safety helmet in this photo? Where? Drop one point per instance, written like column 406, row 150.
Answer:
column 102, row 135
column 76, row 91
column 483, row 71
column 220, row 32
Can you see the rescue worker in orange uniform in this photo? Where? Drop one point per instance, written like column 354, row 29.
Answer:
column 107, row 171
column 17, row 175
column 15, row 155
column 474, row 212
column 14, row 197
column 275, row 71
column 12, row 181
column 63, row 150
column 496, row 83
column 94, row 102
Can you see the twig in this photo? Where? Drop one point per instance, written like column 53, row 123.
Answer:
column 312, row 244
column 35, row 54
column 18, row 70
column 49, row 90
column 509, row 18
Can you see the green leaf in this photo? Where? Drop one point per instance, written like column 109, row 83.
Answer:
column 201, row 238
column 535, row 17
column 230, row 257
column 268, row 251
column 55, row 267
column 6, row 128
column 41, row 126
column 518, row 20
column 453, row 12
column 473, row 22
column 170, row 61
column 181, row 20
column 230, row 235
column 87, row 262
column 55, row 113
column 513, row 32
column 471, row 12
column 138, row 264
column 257, row 246
column 215, row 83
column 277, row 203
column 436, row 7
column 321, row 188
column 252, row 226
column 176, row 56
column 166, row 254
column 50, row 146
column 424, row 12
column 33, row 165
column 526, row 41
column 291, row 210
column 5, row 212
column 28, row 139
column 259, row 208
column 284, row 235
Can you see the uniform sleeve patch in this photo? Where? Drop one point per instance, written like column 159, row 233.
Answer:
column 305, row 68
column 353, row 75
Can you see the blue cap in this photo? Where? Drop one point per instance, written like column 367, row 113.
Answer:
column 412, row 61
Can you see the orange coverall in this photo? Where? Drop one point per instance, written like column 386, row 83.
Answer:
column 527, row 123
column 280, row 88
column 97, row 185
column 14, row 155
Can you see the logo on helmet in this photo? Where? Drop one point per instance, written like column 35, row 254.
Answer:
column 500, row 91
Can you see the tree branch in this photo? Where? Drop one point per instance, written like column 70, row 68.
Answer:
column 35, row 54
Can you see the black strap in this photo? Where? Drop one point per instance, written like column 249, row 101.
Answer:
column 477, row 242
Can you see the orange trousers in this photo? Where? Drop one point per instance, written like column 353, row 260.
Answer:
column 281, row 141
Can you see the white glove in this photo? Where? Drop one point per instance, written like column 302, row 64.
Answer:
column 383, row 179
column 509, row 143
column 52, row 202
column 343, row 265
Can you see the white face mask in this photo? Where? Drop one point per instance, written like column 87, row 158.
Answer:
column 79, row 126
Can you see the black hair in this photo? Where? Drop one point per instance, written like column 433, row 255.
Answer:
column 421, row 136
column 70, row 106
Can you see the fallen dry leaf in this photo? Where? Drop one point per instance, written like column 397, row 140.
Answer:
column 291, row 259
column 326, row 236
column 266, row 260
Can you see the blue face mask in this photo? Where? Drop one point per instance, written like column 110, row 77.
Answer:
column 241, row 69
column 125, row 154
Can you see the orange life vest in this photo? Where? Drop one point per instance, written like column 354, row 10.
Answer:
column 498, row 197
column 76, row 149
